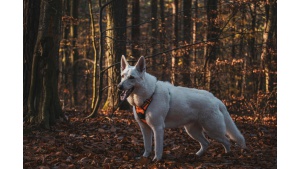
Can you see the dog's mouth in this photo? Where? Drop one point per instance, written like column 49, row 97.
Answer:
column 126, row 93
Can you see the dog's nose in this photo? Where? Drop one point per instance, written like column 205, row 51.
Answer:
column 120, row 86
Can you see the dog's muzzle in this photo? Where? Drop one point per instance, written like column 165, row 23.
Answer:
column 125, row 93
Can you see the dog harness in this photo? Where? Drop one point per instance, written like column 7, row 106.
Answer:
column 141, row 111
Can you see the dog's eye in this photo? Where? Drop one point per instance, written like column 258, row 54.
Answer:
column 131, row 77
column 122, row 76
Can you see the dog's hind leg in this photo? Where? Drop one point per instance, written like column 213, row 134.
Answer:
column 195, row 131
column 219, row 134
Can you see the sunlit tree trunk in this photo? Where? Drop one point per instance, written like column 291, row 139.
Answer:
column 116, row 47
column 269, row 33
column 43, row 103
column 175, row 43
column 194, row 33
column 95, row 52
column 74, row 51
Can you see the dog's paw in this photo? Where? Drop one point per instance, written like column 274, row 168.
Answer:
column 156, row 159
column 146, row 154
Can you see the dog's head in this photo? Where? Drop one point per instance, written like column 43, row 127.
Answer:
column 132, row 76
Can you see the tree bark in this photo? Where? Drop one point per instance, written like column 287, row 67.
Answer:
column 242, row 53
column 212, row 34
column 194, row 56
column 187, row 34
column 154, row 34
column 43, row 103
column 162, row 29
column 74, row 51
column 175, row 43
column 269, row 33
column 65, row 54
column 31, row 11
column 94, row 86
column 135, row 30
column 116, row 45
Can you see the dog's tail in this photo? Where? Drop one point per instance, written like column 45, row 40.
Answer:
column 231, row 130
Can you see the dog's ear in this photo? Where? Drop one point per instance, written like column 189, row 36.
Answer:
column 141, row 64
column 124, row 63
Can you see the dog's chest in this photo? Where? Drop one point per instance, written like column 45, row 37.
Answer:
column 134, row 100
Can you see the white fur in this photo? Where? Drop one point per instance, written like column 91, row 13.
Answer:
column 197, row 110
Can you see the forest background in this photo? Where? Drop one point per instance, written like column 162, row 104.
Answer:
column 72, row 51
column 231, row 92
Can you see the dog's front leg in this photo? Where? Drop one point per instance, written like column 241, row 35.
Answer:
column 158, row 142
column 147, row 137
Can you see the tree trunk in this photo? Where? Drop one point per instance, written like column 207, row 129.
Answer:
column 175, row 43
column 212, row 34
column 74, row 51
column 43, row 104
column 94, row 86
column 31, row 13
column 65, row 54
column 135, row 30
column 251, row 40
column 242, row 84
column 269, row 33
column 187, row 34
column 154, row 35
column 251, row 43
column 273, row 47
column 116, row 47
column 194, row 57
column 162, row 29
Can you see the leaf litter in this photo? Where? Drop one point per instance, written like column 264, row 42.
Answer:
column 104, row 143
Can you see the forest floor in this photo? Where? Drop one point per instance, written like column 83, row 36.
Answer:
column 104, row 143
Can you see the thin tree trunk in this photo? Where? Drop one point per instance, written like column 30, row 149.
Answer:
column 251, row 43
column 101, row 58
column 65, row 53
column 212, row 34
column 175, row 43
column 269, row 29
column 154, row 35
column 251, row 40
column 273, row 47
column 135, row 30
column 74, row 52
column 194, row 56
column 187, row 34
column 163, row 60
column 94, row 86
column 242, row 53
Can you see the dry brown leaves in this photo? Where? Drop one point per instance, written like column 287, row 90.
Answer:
column 105, row 143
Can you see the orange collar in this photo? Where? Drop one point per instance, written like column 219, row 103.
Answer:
column 141, row 111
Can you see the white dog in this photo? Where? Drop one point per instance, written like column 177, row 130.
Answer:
column 158, row 105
